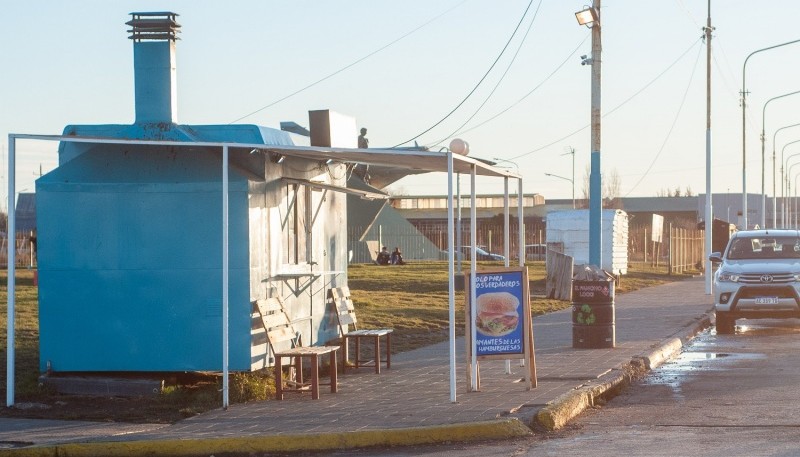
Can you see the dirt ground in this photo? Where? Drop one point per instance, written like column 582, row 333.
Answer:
column 101, row 409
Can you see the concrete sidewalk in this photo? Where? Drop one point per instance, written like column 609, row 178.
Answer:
column 410, row 403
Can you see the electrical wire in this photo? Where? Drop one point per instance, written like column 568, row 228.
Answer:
column 720, row 45
column 476, row 85
column 688, row 13
column 513, row 59
column 731, row 92
column 529, row 93
column 349, row 65
column 635, row 94
column 672, row 127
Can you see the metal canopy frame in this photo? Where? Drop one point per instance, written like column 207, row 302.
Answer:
column 363, row 194
column 414, row 160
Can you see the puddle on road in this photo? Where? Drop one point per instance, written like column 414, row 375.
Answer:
column 696, row 358
column 711, row 352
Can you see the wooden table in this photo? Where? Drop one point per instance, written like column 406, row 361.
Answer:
column 313, row 353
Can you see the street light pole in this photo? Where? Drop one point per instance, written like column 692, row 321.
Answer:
column 784, row 179
column 789, row 190
column 744, row 126
column 763, row 194
column 572, row 181
column 774, row 192
column 572, row 151
column 795, row 201
column 591, row 16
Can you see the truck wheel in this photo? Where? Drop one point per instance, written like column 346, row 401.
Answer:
column 726, row 325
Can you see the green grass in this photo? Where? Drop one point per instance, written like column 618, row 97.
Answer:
column 412, row 299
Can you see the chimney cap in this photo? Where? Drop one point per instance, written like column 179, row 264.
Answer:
column 153, row 26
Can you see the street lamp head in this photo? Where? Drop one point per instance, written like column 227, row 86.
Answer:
column 587, row 16
column 459, row 146
column 559, row 177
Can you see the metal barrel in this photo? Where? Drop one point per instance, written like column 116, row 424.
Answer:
column 593, row 314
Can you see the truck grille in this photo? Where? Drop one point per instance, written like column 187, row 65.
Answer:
column 762, row 278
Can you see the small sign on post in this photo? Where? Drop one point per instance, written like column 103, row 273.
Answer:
column 503, row 323
column 658, row 236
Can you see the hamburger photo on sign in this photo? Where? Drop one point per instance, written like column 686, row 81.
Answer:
column 497, row 314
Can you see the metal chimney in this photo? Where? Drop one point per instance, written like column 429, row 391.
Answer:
column 154, row 35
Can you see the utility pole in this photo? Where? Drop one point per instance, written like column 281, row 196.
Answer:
column 595, row 184
column 709, row 197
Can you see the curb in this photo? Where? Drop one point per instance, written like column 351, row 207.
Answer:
column 557, row 413
column 472, row 431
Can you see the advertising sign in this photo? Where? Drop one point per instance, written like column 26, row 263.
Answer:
column 500, row 314
column 502, row 318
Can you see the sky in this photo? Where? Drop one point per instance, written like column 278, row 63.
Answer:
column 399, row 69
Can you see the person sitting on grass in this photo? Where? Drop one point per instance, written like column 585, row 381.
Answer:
column 397, row 257
column 383, row 257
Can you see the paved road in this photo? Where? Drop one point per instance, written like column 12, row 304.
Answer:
column 727, row 395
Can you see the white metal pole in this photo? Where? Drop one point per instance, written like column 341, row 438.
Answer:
column 521, row 224
column 774, row 203
column 11, row 226
column 473, row 238
column 789, row 190
column 709, row 197
column 506, row 241
column 458, row 224
column 521, row 245
column 225, row 273
column 744, row 126
column 785, row 182
column 573, row 176
column 795, row 201
column 450, row 273
column 763, row 142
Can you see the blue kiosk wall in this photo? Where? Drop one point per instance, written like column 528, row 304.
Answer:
column 130, row 256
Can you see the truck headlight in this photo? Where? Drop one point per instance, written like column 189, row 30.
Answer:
column 726, row 276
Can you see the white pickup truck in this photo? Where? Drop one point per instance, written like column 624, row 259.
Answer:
column 758, row 277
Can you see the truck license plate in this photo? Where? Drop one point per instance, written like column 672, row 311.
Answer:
column 766, row 300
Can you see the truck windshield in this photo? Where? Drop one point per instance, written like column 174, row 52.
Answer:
column 764, row 248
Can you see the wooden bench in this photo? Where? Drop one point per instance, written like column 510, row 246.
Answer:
column 280, row 332
column 346, row 316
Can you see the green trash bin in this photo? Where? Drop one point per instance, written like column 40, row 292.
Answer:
column 593, row 313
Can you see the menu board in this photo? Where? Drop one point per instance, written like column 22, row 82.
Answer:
column 503, row 326
column 500, row 314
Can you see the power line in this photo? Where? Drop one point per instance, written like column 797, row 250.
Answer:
column 530, row 92
column 513, row 59
column 476, row 85
column 349, row 65
column 616, row 107
column 672, row 127
column 686, row 10
column 721, row 48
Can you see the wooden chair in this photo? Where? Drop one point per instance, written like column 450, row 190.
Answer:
column 346, row 316
column 281, row 333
